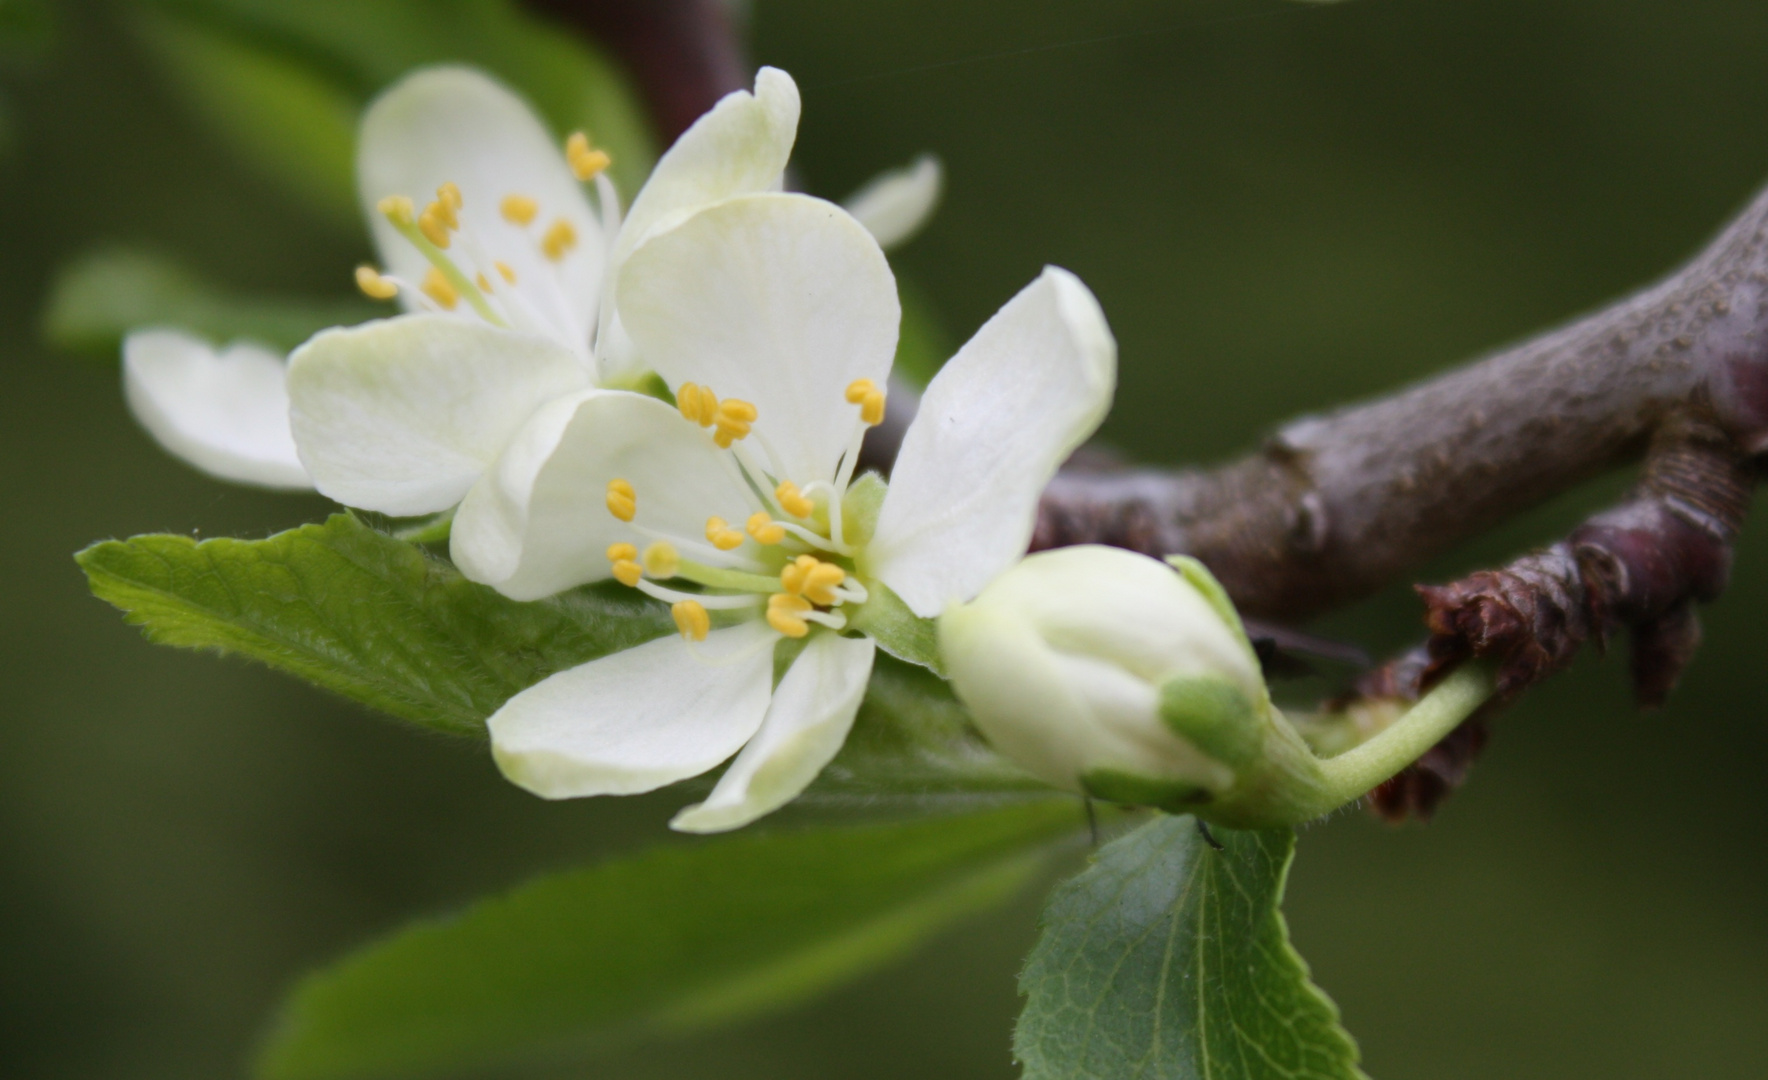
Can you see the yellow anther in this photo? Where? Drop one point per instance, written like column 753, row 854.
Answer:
column 628, row 573
column 438, row 288
column 560, row 238
column 662, row 560
column 785, row 613
column 620, row 552
column 518, row 209
column 871, row 410
column 504, row 271
column 585, row 162
column 866, row 394
column 793, row 573
column 820, row 584
column 622, row 500
column 720, row 534
column 449, row 195
column 793, row 501
column 398, row 209
column 764, row 529
column 483, row 283
column 434, row 224
column 697, row 403
column 734, row 419
column 373, row 285
column 691, row 619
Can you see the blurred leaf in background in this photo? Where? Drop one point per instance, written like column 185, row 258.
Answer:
column 99, row 298
column 283, row 83
column 661, row 944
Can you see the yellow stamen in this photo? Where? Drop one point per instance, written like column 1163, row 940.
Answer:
column 504, row 271
column 483, row 283
column 785, row 614
column 437, row 287
column 398, row 209
column 720, row 534
column 518, row 209
column 793, row 573
column 434, row 224
column 734, row 418
column 560, row 238
column 870, row 399
column 793, row 501
column 449, row 195
column 763, row 529
column 662, row 560
column 622, row 500
column 373, row 285
column 691, row 619
column 628, row 573
column 820, row 583
column 697, row 403
column 585, row 162
column 619, row 552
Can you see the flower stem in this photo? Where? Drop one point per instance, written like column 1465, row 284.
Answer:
column 1362, row 768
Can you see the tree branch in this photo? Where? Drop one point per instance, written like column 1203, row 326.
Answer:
column 1333, row 507
column 683, row 54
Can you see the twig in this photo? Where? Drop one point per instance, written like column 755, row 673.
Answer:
column 1333, row 507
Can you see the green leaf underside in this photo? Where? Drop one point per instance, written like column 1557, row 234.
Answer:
column 1166, row 959
column 99, row 298
column 677, row 939
column 363, row 614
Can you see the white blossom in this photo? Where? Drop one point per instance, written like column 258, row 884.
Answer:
column 773, row 320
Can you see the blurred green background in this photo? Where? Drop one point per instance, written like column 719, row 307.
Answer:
column 1281, row 206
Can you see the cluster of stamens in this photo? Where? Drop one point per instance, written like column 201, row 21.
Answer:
column 433, row 232
column 809, row 587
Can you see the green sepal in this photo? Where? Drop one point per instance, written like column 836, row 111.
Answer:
column 859, row 510
column 897, row 630
column 1114, row 785
column 1214, row 715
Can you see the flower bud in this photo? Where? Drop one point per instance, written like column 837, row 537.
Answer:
column 1113, row 674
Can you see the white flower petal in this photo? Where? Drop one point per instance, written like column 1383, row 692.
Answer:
column 455, row 125
column 638, row 719
column 778, row 300
column 813, row 709
column 403, row 415
column 538, row 523
column 993, row 427
column 226, row 412
column 739, row 147
column 895, row 205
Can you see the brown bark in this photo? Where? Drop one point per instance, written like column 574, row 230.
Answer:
column 1333, row 507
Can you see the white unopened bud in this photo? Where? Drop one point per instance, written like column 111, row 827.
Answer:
column 1112, row 674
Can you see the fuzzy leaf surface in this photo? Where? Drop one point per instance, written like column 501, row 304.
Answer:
column 1168, row 960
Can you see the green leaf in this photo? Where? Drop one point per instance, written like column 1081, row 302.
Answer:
column 1168, row 960
column 102, row 296
column 296, row 125
column 366, row 615
column 675, row 940
column 913, row 746
column 302, row 61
